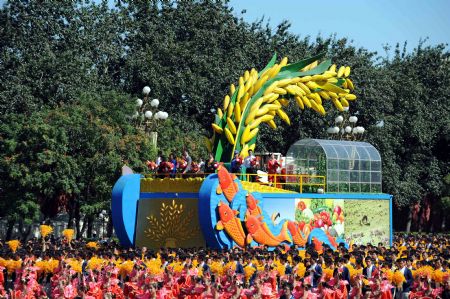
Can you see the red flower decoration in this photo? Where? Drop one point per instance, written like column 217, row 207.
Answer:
column 325, row 216
column 301, row 205
column 337, row 210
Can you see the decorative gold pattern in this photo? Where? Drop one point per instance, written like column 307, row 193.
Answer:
column 174, row 225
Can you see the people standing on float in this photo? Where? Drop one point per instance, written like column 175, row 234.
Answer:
column 188, row 160
column 164, row 167
column 236, row 164
column 187, row 165
column 159, row 159
column 272, row 167
column 211, row 165
column 250, row 164
column 173, row 160
column 201, row 165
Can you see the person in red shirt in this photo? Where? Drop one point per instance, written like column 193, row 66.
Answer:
column 164, row 167
column 272, row 167
column 195, row 167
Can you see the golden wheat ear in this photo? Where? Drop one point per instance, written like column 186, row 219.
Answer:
column 261, row 96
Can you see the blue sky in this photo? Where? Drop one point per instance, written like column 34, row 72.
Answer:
column 369, row 23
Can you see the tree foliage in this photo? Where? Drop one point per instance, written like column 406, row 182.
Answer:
column 70, row 73
column 53, row 51
column 416, row 119
column 69, row 157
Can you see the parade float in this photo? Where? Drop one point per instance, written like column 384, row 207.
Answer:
column 330, row 194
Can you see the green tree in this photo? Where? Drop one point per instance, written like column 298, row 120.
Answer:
column 51, row 52
column 65, row 132
column 189, row 52
column 415, row 113
column 70, row 157
column 175, row 135
column 445, row 202
column 34, row 167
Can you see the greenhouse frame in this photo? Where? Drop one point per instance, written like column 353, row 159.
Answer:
column 349, row 166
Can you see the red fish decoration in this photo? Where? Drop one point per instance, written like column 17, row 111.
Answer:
column 227, row 185
column 252, row 205
column 259, row 232
column 231, row 224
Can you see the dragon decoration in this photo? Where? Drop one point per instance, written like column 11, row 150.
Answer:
column 261, row 96
column 241, row 218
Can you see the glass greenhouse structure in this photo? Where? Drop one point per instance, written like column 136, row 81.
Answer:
column 349, row 166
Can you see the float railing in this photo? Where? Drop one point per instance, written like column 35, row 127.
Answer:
column 294, row 182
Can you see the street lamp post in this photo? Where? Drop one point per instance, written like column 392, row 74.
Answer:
column 345, row 128
column 103, row 219
column 147, row 117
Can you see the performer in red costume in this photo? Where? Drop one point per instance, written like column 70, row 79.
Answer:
column 272, row 167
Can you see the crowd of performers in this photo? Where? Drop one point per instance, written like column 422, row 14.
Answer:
column 172, row 166
column 415, row 267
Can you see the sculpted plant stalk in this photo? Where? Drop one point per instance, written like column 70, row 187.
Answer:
column 261, row 96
